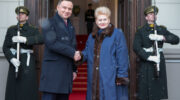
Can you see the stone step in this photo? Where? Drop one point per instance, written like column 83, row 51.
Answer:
column 79, row 89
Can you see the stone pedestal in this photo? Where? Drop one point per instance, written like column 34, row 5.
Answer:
column 75, row 21
column 4, row 67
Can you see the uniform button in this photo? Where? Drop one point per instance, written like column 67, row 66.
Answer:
column 163, row 88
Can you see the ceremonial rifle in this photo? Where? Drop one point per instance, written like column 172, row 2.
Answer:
column 18, row 44
column 156, row 42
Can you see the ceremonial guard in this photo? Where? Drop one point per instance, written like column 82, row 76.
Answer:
column 89, row 18
column 22, row 84
column 152, row 83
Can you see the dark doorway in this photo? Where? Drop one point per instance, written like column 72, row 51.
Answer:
column 121, row 14
column 125, row 24
column 123, row 21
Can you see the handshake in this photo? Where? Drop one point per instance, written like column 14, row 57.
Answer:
column 77, row 56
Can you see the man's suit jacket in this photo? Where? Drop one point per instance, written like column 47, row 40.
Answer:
column 58, row 63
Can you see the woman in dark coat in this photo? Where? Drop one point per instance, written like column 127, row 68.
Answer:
column 151, row 86
column 24, row 86
column 107, row 56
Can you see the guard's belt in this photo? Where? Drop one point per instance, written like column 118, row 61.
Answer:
column 22, row 51
column 152, row 50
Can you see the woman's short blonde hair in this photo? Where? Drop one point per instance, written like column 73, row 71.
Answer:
column 102, row 11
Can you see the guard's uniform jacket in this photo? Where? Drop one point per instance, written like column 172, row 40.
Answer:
column 150, row 88
column 25, row 87
column 89, row 15
column 90, row 19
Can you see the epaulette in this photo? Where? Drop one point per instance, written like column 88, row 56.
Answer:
column 139, row 27
column 12, row 26
column 162, row 26
column 32, row 26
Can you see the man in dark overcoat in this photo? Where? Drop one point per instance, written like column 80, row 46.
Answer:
column 22, row 85
column 152, row 83
column 58, row 68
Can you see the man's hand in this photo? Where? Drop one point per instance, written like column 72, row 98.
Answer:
column 77, row 56
column 156, row 37
column 155, row 59
column 19, row 39
column 15, row 62
column 122, row 81
column 74, row 75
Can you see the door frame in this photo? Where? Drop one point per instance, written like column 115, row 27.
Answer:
column 132, row 17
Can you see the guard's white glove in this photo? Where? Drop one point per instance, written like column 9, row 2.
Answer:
column 156, row 37
column 19, row 39
column 15, row 62
column 155, row 59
